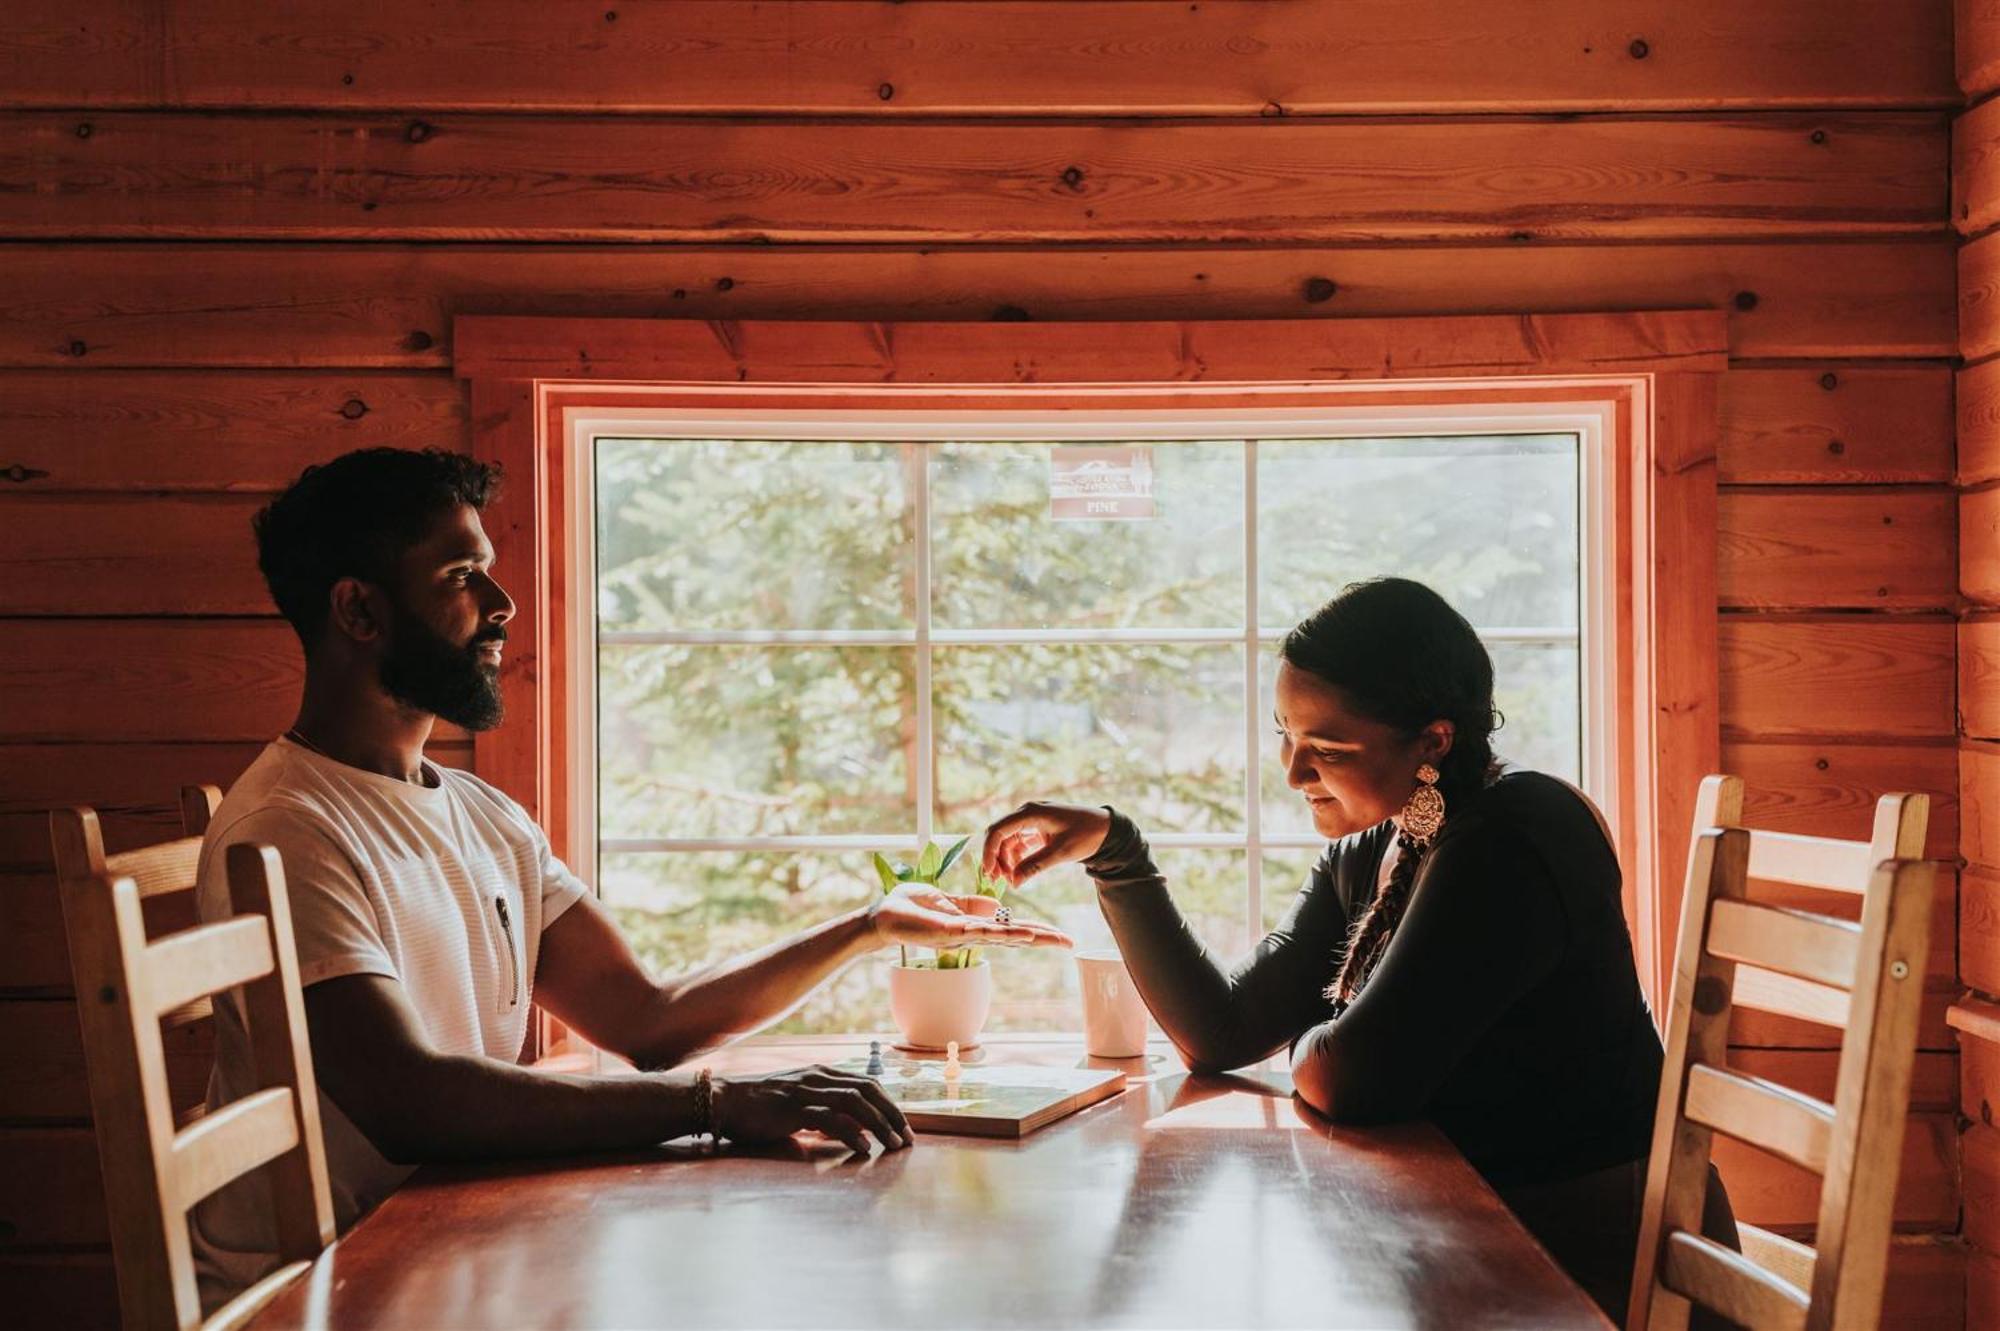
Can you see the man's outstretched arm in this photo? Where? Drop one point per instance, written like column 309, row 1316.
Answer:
column 589, row 977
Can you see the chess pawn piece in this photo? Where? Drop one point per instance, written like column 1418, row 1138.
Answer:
column 874, row 1068
column 951, row 1067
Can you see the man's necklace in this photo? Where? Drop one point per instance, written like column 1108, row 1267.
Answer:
column 297, row 736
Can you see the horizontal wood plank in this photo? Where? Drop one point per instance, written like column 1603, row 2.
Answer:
column 1089, row 352
column 43, row 1077
column 1981, row 1163
column 114, row 681
column 166, row 175
column 1925, row 1285
column 163, row 431
column 1934, row 1081
column 1979, row 676
column 1976, row 49
column 1838, row 424
column 1753, row 1029
column 130, row 555
column 1979, row 548
column 1767, row 1190
column 77, row 1291
column 133, row 787
column 109, row 305
column 848, row 57
column 51, row 1192
column 1979, row 298
column 1979, row 803
column 1979, row 1078
column 1975, row 170
column 1982, row 1290
column 34, row 953
column 1828, row 548
column 1831, row 675
column 1979, row 928
column 1978, row 423
column 1830, row 789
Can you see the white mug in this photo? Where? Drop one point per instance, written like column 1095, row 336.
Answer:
column 1114, row 1016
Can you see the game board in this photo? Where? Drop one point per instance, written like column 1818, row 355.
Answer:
column 988, row 1101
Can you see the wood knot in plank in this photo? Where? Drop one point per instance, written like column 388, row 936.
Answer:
column 1746, row 301
column 77, row 347
column 1073, row 177
column 885, row 90
column 354, row 409
column 1711, row 995
column 1829, row 381
column 1639, row 49
column 1011, row 314
column 1318, row 290
column 85, row 130
column 418, row 131
column 21, row 475
column 418, row 340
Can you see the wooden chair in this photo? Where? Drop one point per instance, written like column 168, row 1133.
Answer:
column 155, row 1170
column 1866, row 978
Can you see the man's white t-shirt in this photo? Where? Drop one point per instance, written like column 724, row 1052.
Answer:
column 444, row 887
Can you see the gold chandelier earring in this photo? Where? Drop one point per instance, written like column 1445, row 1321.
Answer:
column 1423, row 813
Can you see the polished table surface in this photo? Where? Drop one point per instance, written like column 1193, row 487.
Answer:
column 1186, row 1201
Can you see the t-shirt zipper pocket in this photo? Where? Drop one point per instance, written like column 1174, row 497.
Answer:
column 513, row 957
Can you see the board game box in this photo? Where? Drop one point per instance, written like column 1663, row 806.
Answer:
column 988, row 1101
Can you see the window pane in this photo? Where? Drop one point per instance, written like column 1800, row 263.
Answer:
column 684, row 910
column 698, row 741
column 754, row 534
column 1284, row 873
column 1155, row 730
column 998, row 560
column 1489, row 522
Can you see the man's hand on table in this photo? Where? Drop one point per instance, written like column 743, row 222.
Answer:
column 820, row 1099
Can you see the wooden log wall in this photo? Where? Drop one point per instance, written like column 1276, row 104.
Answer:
column 233, row 238
column 1976, row 215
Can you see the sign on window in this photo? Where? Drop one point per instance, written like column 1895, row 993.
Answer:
column 1101, row 484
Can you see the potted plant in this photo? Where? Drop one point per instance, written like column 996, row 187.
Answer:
column 945, row 997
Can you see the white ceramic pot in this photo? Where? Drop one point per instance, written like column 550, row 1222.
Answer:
column 933, row 1007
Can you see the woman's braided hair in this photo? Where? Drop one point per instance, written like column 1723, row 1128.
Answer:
column 1400, row 655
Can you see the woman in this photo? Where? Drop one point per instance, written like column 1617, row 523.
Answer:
column 1459, row 952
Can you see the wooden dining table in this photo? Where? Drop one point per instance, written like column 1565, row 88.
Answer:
column 1183, row 1201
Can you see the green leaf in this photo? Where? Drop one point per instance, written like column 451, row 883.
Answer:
column 929, row 862
column 951, row 857
column 886, row 872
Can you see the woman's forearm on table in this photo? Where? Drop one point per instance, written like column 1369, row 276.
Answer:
column 1198, row 1004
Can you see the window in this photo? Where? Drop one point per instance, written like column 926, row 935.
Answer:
column 1637, row 391
column 815, row 637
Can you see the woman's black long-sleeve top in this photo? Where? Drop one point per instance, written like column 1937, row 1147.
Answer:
column 1506, row 1009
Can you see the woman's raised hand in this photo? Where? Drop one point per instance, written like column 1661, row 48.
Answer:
column 1039, row 836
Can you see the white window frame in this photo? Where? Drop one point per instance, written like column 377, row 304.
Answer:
column 1591, row 423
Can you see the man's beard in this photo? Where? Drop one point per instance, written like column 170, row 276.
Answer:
column 422, row 669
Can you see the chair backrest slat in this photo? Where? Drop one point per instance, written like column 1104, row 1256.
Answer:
column 1771, row 1117
column 232, row 1141
column 1789, row 996
column 197, row 962
column 1712, row 1275
column 169, row 866
column 1865, row 978
column 1791, row 942
column 1812, row 861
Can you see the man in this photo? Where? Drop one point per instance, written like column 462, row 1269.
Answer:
column 429, row 911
